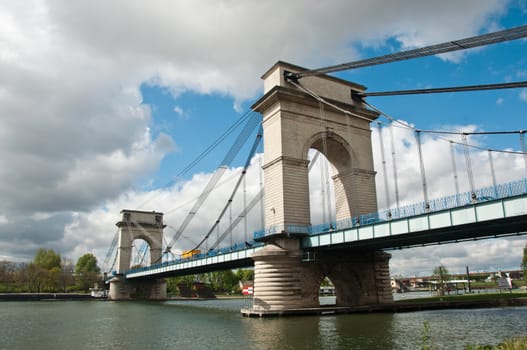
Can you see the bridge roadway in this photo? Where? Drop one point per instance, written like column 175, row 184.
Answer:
column 488, row 219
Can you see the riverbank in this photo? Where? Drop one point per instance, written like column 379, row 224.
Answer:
column 458, row 302
column 43, row 296
column 468, row 301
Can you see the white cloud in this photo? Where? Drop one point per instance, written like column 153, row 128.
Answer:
column 500, row 101
column 179, row 111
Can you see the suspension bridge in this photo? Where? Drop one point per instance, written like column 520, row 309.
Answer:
column 303, row 110
column 499, row 212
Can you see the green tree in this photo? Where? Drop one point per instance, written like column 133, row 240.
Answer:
column 440, row 273
column 7, row 276
column 45, row 274
column 52, row 282
column 222, row 281
column 66, row 275
column 187, row 281
column 326, row 282
column 47, row 259
column 7, row 269
column 87, row 263
column 30, row 278
column 245, row 275
column 86, row 271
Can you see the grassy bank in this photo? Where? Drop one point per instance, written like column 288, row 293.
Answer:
column 519, row 343
column 515, row 343
column 466, row 297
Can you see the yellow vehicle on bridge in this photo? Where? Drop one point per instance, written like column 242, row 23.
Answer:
column 187, row 254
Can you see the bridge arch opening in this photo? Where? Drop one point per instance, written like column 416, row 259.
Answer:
column 327, row 294
column 336, row 160
column 335, row 148
column 321, row 189
column 140, row 254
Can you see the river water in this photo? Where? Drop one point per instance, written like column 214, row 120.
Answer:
column 218, row 324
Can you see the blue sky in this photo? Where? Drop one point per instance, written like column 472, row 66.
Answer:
column 195, row 121
column 103, row 103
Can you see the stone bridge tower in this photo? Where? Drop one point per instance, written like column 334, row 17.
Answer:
column 293, row 122
column 138, row 225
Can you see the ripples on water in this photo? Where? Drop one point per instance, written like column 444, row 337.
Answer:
column 217, row 324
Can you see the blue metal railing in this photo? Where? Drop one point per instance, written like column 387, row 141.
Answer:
column 211, row 253
column 290, row 229
column 509, row 189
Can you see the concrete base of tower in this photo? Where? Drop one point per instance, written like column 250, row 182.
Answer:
column 360, row 277
column 282, row 281
column 122, row 289
column 286, row 285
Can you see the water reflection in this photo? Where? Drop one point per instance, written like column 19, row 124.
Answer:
column 364, row 331
column 282, row 333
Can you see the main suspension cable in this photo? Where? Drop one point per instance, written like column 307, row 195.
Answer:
column 204, row 153
column 216, row 142
column 322, row 100
column 236, row 186
column 410, row 127
column 450, row 46
column 115, row 238
column 467, row 88
column 233, row 151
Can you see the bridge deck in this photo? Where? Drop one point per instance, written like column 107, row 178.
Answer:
column 494, row 218
column 490, row 218
column 232, row 260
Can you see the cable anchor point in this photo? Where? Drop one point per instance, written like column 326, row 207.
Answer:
column 357, row 97
column 291, row 77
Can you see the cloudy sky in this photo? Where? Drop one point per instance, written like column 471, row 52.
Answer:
column 104, row 103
